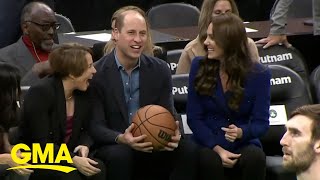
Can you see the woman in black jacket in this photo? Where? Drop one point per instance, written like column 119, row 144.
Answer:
column 56, row 110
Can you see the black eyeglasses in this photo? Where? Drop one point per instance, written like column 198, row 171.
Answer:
column 46, row 27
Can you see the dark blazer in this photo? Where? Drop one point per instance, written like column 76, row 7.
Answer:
column 207, row 114
column 19, row 55
column 110, row 114
column 44, row 115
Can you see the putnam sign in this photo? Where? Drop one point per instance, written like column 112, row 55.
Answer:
column 43, row 156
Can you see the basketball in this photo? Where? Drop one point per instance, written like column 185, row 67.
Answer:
column 157, row 123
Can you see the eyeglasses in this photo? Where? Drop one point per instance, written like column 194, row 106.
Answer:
column 46, row 27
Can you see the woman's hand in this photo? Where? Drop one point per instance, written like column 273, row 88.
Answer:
column 8, row 160
column 228, row 158
column 232, row 133
column 85, row 165
column 82, row 150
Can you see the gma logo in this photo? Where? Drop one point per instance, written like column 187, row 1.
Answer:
column 43, row 156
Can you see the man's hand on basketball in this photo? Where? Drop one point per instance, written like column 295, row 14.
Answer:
column 135, row 142
column 174, row 139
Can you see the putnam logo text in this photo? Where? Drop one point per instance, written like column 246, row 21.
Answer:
column 44, row 156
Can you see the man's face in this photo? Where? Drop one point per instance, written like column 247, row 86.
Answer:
column 297, row 148
column 131, row 38
column 41, row 28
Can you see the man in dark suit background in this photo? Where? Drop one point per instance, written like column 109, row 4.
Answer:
column 125, row 81
column 30, row 53
column 10, row 11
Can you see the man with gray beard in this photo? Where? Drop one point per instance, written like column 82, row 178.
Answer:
column 301, row 143
column 30, row 53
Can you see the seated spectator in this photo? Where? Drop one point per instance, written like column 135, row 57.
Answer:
column 125, row 81
column 111, row 44
column 9, row 95
column 226, row 110
column 301, row 142
column 57, row 110
column 195, row 47
column 30, row 53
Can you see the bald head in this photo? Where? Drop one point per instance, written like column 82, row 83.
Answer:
column 34, row 8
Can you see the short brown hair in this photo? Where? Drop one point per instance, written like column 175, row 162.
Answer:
column 313, row 113
column 69, row 59
column 116, row 17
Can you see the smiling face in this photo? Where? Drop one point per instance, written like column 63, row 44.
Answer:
column 213, row 49
column 298, row 148
column 131, row 37
column 82, row 82
column 34, row 26
column 221, row 7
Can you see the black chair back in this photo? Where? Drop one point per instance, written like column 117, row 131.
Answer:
column 173, row 15
column 173, row 57
column 65, row 24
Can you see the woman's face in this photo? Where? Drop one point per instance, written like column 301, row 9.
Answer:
column 221, row 7
column 82, row 82
column 213, row 49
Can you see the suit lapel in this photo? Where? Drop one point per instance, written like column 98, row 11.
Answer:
column 114, row 78
column 221, row 98
column 144, row 83
column 24, row 57
column 77, row 119
column 61, row 107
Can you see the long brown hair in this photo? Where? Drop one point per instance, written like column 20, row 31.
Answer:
column 229, row 34
column 9, row 95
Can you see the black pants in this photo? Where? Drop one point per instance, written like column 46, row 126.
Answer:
column 251, row 165
column 124, row 163
column 42, row 174
column 10, row 174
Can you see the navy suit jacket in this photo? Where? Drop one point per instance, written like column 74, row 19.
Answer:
column 110, row 113
column 207, row 114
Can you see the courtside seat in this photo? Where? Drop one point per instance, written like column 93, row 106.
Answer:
column 173, row 15
column 180, row 84
column 288, row 57
column 173, row 57
column 65, row 24
column 315, row 83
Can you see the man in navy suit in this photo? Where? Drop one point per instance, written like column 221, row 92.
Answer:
column 125, row 81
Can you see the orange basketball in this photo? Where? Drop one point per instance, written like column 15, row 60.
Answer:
column 157, row 123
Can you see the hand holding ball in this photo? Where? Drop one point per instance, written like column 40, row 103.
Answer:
column 157, row 123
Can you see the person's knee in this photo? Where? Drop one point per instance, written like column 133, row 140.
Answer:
column 115, row 153
column 209, row 158
column 102, row 174
column 253, row 155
